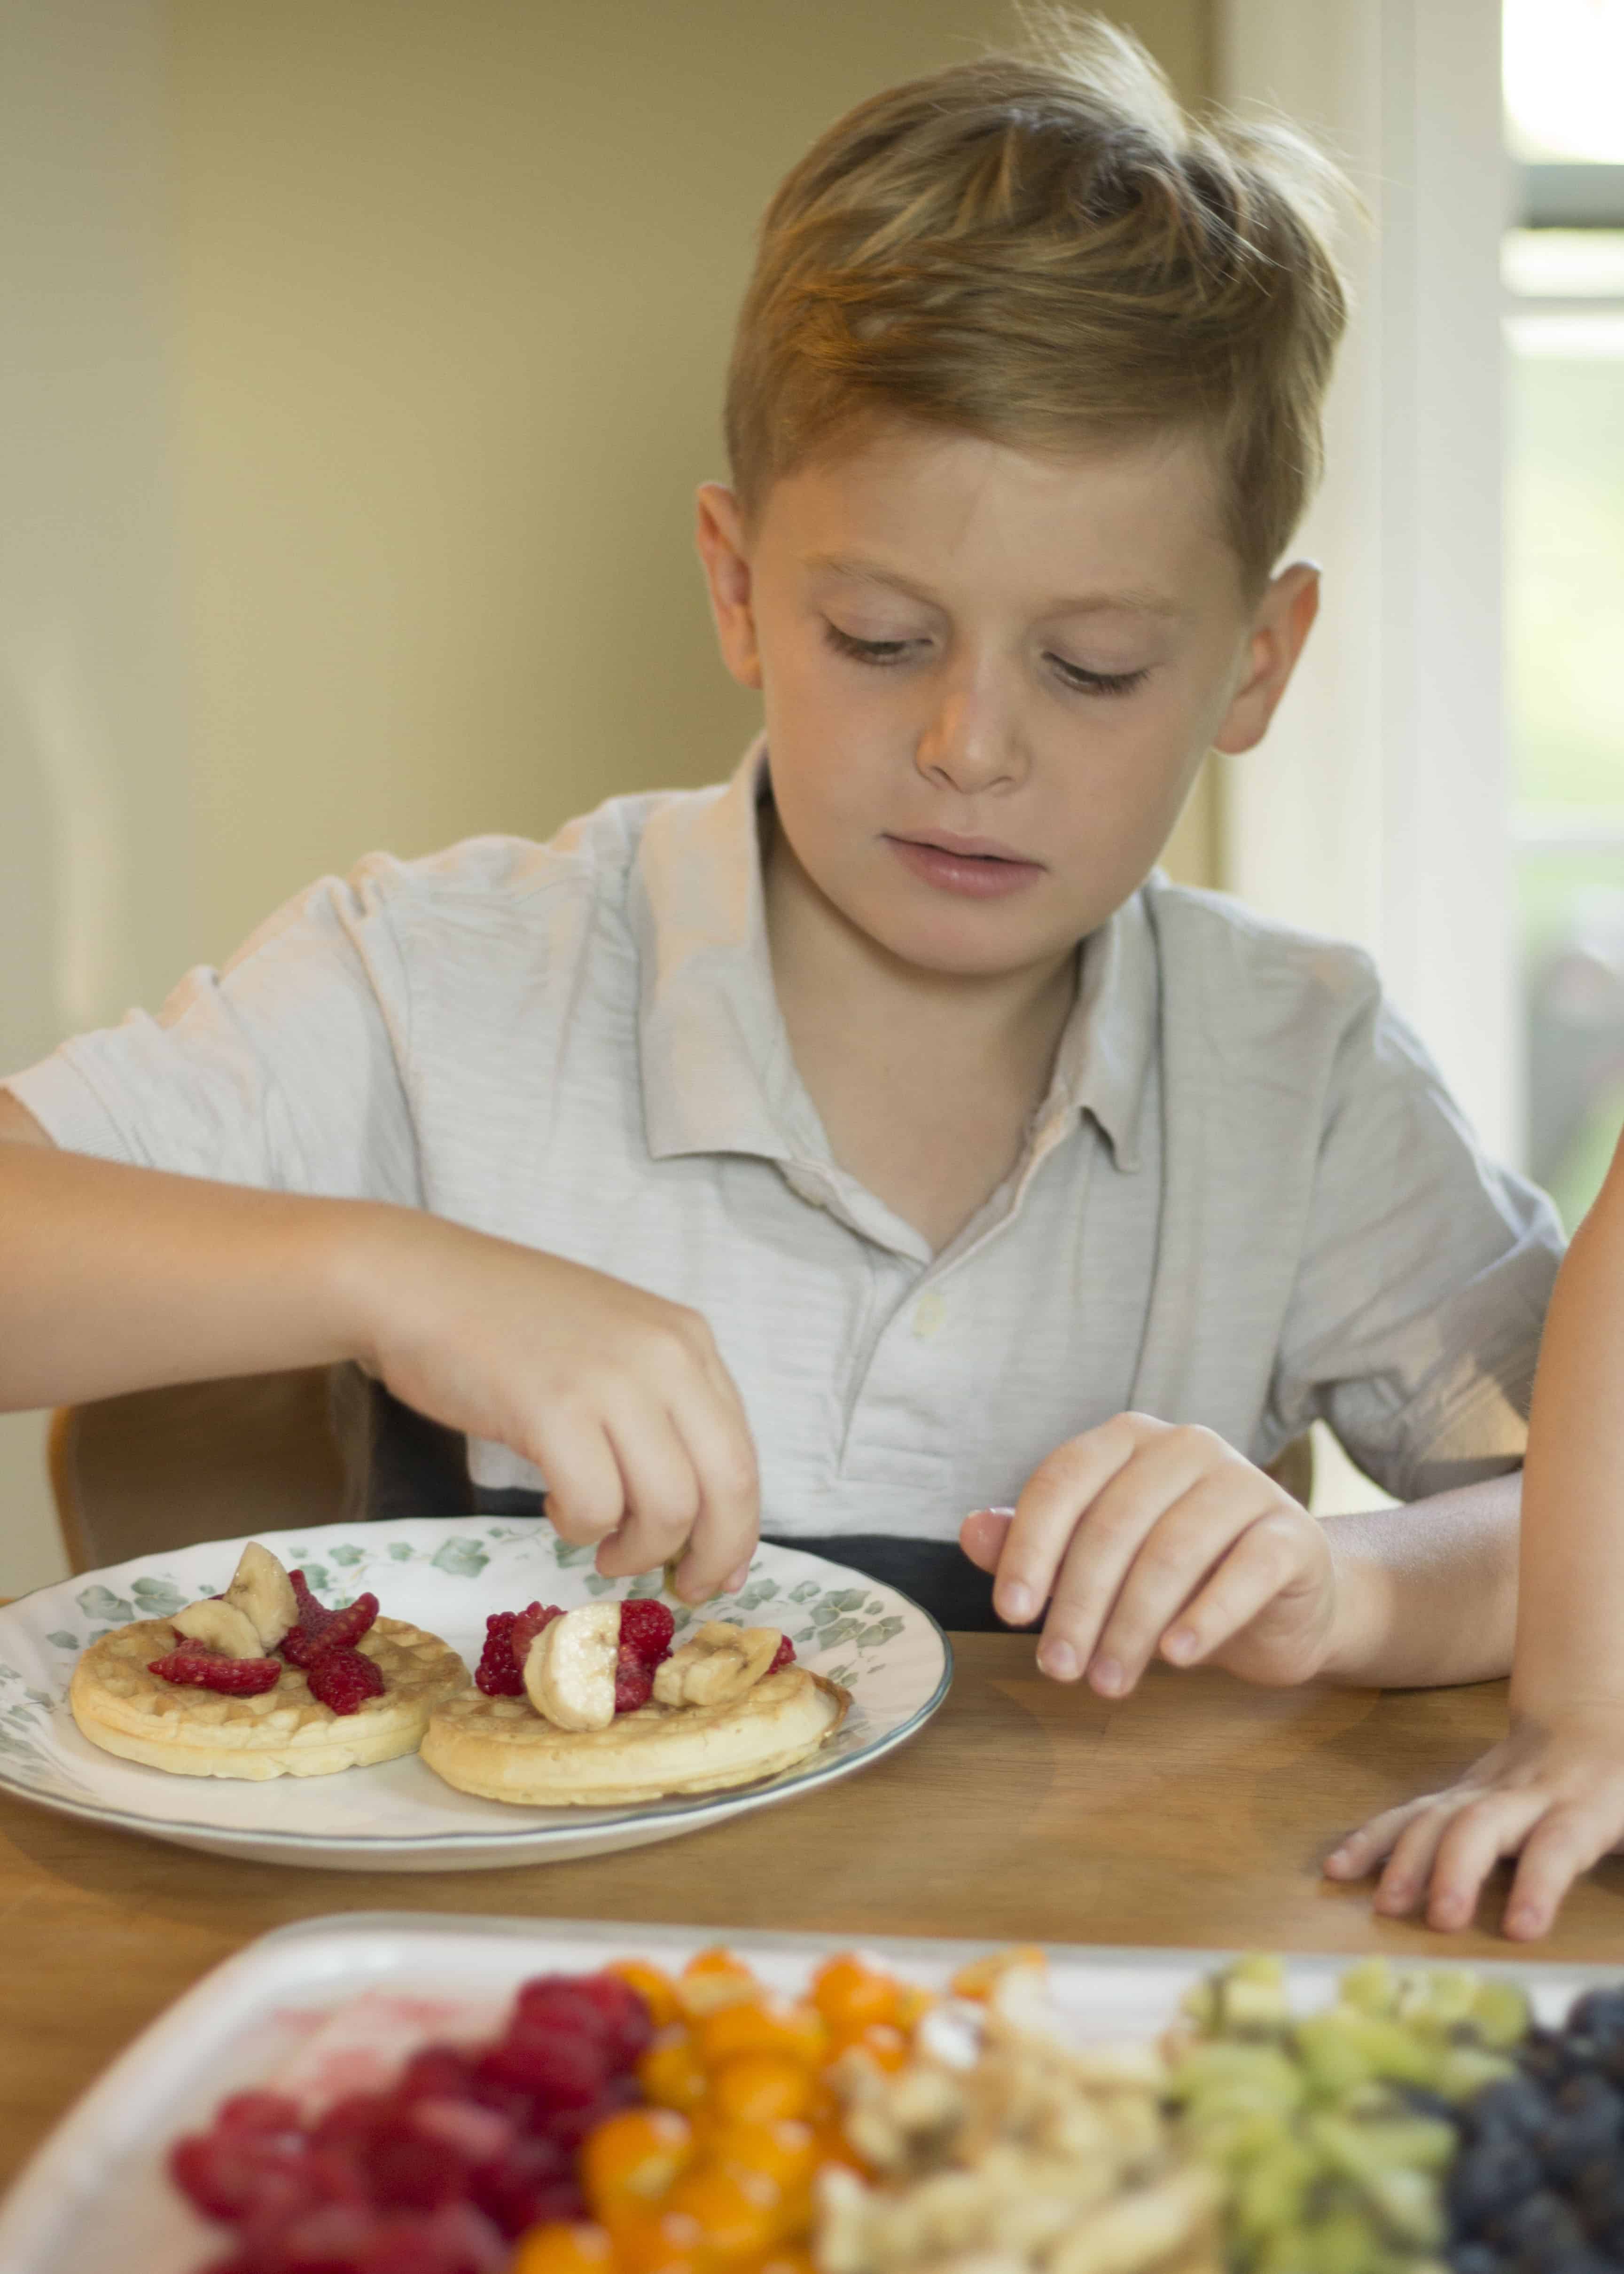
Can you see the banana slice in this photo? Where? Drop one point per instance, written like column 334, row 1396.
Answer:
column 717, row 1665
column 262, row 1590
column 569, row 1668
column 222, row 1626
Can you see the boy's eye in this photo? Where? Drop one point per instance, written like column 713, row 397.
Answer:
column 864, row 651
column 1098, row 682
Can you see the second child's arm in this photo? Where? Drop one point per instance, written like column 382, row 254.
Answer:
column 115, row 1279
column 1554, row 1789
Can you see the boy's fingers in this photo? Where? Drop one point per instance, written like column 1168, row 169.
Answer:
column 586, row 1499
column 1059, row 1492
column 1494, row 1825
column 727, row 1524
column 662, row 1493
column 1565, row 1842
column 1209, row 1530
column 1266, row 1558
column 1121, row 1533
column 982, row 1534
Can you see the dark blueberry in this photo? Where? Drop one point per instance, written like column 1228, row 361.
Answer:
column 1423, row 2103
column 1518, row 2105
column 1490, row 2178
column 1543, row 2056
column 1599, row 2013
column 1596, row 2193
column 1476, row 2258
column 1537, row 2230
column 1584, row 2126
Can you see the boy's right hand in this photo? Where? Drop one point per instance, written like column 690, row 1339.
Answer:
column 618, row 1398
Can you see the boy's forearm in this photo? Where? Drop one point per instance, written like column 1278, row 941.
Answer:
column 114, row 1278
column 1427, row 1593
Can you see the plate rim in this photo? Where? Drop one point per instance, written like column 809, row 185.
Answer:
column 189, row 1832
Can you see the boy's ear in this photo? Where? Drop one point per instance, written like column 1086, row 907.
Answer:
column 719, row 534
column 1283, row 621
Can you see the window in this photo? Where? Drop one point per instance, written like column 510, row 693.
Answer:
column 1563, row 276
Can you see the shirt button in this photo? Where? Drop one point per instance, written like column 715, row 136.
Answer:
column 929, row 1313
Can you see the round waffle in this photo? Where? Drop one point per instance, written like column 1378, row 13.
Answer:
column 502, row 1749
column 122, row 1707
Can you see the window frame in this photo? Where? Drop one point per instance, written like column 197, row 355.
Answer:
column 1376, row 808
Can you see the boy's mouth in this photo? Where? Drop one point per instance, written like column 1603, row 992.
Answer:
column 977, row 868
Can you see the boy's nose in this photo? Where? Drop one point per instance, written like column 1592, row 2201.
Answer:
column 970, row 744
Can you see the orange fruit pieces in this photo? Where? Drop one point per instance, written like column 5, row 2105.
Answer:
column 886, row 2047
column 760, row 2088
column 650, row 2240
column 638, row 2152
column 671, row 2073
column 850, row 1995
column 732, row 2210
column 715, row 1978
column 783, row 2151
column 761, row 2025
column 560, row 2247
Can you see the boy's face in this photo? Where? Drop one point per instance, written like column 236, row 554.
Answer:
column 989, row 678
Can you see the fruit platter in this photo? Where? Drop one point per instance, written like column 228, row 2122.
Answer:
column 405, row 2095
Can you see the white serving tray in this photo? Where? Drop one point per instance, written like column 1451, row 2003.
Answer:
column 317, row 2007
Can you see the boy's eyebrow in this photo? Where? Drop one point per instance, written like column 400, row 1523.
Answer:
column 1130, row 601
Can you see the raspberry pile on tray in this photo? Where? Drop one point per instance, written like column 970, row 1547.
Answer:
column 469, row 2149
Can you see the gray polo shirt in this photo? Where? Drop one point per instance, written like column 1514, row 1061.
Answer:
column 1247, row 1198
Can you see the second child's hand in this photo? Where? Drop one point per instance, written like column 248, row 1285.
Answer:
column 1144, row 1538
column 1552, row 1794
column 618, row 1397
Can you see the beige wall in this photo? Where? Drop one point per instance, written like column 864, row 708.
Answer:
column 376, row 349
column 457, row 288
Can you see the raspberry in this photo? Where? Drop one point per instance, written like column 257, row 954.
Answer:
column 559, row 2069
column 207, row 1669
column 785, row 1655
column 508, row 1637
column 320, row 1629
column 343, row 1679
column 633, row 1682
column 646, row 1629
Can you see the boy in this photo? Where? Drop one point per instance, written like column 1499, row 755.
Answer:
column 886, row 1108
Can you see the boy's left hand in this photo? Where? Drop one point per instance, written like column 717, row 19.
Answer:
column 1146, row 1537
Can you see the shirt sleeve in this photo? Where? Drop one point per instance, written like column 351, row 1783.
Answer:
column 282, row 1069
column 1424, row 1274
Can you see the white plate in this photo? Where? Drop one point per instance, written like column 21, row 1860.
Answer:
column 444, row 1574
column 332, row 2005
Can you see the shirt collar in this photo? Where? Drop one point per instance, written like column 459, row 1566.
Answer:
column 717, row 1076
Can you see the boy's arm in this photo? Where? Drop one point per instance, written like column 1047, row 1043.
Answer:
column 115, row 1279
column 1555, row 1789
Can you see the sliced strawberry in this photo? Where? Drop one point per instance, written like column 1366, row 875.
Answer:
column 320, row 1628
column 784, row 1655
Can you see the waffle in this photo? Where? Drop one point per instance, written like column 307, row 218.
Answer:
column 125, row 1709
column 502, row 1749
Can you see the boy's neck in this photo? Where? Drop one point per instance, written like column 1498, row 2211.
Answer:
column 926, row 1082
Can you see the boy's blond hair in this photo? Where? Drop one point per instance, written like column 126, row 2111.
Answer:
column 1046, row 252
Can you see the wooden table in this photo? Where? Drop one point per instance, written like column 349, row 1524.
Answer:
column 1194, row 1813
